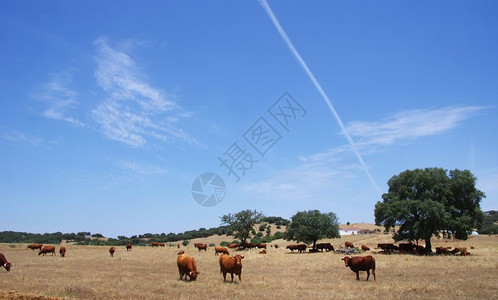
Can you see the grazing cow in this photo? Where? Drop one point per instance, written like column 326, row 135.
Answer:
column 181, row 252
column 47, row 249
column 154, row 244
column 407, row 247
column 348, row 245
column 360, row 263
column 231, row 264
column 233, row 246
column 35, row 246
column 262, row 246
column 262, row 251
column 62, row 251
column 186, row 266
column 300, row 247
column 220, row 250
column 365, row 248
column 472, row 247
column 197, row 244
column 162, row 244
column 202, row 247
column 7, row 265
column 276, row 246
column 327, row 246
column 388, row 247
column 129, row 247
column 178, row 246
column 250, row 245
column 111, row 251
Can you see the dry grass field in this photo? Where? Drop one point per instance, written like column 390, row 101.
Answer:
column 88, row 272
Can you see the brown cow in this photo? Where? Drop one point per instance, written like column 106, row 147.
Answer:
column 262, row 246
column 129, row 247
column 202, row 247
column 407, row 247
column 47, row 249
column 327, row 246
column 360, row 263
column 262, row 251
column 62, row 251
column 220, row 250
column 232, row 265
column 162, row 244
column 348, row 245
column 181, row 252
column 233, row 246
column 178, row 246
column 111, row 251
column 186, row 266
column 154, row 244
column 35, row 246
column 388, row 247
column 300, row 247
column 7, row 265
column 276, row 246
column 365, row 248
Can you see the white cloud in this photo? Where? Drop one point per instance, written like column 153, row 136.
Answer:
column 410, row 125
column 141, row 169
column 16, row 136
column 59, row 98
column 402, row 127
column 132, row 111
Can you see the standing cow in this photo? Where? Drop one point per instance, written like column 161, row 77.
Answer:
column 129, row 247
column 47, row 249
column 186, row 266
column 232, row 265
column 62, row 251
column 7, row 265
column 111, row 251
column 35, row 246
column 220, row 250
column 348, row 245
column 360, row 263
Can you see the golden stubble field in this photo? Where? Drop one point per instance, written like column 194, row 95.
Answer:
column 89, row 272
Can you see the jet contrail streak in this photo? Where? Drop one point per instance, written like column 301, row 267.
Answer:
column 296, row 54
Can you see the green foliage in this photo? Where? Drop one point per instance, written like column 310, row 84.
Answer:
column 279, row 226
column 489, row 224
column 268, row 230
column 262, row 227
column 427, row 202
column 224, row 243
column 311, row 226
column 242, row 223
column 275, row 220
column 185, row 243
column 212, row 245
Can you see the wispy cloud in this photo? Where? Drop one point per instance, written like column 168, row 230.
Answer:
column 59, row 98
column 132, row 111
column 403, row 127
column 140, row 168
column 410, row 125
column 16, row 136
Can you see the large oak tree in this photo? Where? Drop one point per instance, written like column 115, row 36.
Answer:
column 430, row 202
column 311, row 226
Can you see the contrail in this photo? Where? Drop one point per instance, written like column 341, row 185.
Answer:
column 291, row 47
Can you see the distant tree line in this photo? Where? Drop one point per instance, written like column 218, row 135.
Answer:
column 490, row 223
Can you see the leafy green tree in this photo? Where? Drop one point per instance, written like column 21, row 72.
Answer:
column 311, row 226
column 262, row 227
column 489, row 225
column 185, row 243
column 268, row 230
column 242, row 223
column 431, row 201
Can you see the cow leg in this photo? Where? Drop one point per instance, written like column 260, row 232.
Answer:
column 368, row 274
column 373, row 272
column 358, row 275
column 232, row 276
column 224, row 276
column 240, row 279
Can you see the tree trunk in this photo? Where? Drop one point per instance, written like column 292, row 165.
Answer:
column 428, row 245
column 314, row 245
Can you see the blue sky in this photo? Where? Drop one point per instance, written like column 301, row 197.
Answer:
column 110, row 110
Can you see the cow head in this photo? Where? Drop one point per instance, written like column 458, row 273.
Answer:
column 193, row 275
column 238, row 259
column 7, row 266
column 346, row 260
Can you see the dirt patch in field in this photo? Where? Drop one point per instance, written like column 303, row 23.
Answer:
column 11, row 295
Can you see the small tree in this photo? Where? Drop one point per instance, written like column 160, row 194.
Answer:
column 242, row 223
column 185, row 243
column 268, row 230
column 311, row 226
